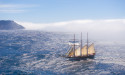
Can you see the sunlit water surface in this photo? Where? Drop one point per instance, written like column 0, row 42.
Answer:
column 39, row 53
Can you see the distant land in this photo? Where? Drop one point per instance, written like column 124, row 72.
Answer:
column 9, row 25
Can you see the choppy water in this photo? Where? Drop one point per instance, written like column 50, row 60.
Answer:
column 38, row 53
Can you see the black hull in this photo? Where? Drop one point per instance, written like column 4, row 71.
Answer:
column 81, row 58
column 91, row 56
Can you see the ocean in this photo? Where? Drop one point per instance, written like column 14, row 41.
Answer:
column 30, row 52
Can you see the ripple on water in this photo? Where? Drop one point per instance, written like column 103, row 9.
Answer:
column 38, row 52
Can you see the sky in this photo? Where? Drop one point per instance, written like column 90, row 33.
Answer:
column 47, row 11
column 66, row 15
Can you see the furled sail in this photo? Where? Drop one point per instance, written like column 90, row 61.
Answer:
column 91, row 50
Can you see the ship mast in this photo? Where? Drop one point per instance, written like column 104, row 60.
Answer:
column 74, row 46
column 81, row 46
column 87, row 43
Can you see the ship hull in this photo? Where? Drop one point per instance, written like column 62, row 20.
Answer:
column 81, row 57
column 91, row 56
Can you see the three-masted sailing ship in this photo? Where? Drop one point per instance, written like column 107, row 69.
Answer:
column 79, row 51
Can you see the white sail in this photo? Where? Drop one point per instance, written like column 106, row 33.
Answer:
column 91, row 50
column 77, row 52
column 70, row 53
column 84, row 50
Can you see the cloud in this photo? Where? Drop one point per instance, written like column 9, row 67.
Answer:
column 33, row 26
column 112, row 25
column 14, row 8
column 111, row 29
column 12, row 11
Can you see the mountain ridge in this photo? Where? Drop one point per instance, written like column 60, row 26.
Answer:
column 9, row 25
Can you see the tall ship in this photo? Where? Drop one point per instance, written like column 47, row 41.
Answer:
column 80, row 51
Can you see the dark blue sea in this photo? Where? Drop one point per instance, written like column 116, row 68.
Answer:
column 26, row 52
